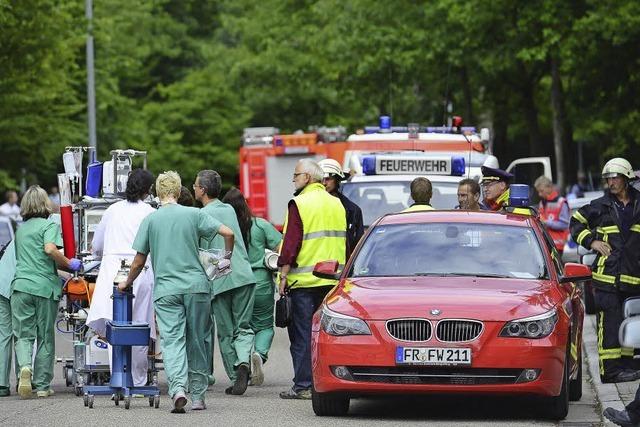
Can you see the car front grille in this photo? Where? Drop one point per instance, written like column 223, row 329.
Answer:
column 434, row 375
column 458, row 330
column 412, row 330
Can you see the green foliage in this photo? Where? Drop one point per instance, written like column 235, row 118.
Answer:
column 181, row 78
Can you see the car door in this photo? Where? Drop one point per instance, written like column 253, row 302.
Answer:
column 526, row 170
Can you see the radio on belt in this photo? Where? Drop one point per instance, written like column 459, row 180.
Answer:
column 383, row 164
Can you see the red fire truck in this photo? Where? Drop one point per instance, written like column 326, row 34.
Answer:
column 382, row 161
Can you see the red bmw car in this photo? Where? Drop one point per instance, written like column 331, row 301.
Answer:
column 450, row 302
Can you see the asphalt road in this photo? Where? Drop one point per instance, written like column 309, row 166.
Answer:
column 262, row 406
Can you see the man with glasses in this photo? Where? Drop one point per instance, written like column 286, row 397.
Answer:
column 314, row 231
column 495, row 186
column 233, row 294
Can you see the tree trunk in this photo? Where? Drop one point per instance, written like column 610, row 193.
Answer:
column 560, row 124
column 500, row 119
column 468, row 97
column 527, row 90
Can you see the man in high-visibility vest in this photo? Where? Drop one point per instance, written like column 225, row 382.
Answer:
column 554, row 212
column 610, row 226
column 421, row 192
column 314, row 231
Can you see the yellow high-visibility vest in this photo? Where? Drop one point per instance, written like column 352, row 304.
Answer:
column 324, row 226
column 415, row 208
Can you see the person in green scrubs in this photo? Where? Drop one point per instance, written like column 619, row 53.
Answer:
column 7, row 273
column 35, row 292
column 258, row 235
column 182, row 294
column 233, row 294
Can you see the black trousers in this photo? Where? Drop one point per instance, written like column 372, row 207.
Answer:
column 613, row 358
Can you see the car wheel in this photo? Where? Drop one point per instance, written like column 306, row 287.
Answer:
column 329, row 405
column 557, row 407
column 589, row 300
column 575, row 386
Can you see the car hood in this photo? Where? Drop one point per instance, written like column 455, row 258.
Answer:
column 487, row 299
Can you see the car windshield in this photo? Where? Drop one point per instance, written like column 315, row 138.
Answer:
column 450, row 249
column 380, row 198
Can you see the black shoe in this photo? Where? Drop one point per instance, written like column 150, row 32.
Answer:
column 242, row 379
column 623, row 376
column 620, row 418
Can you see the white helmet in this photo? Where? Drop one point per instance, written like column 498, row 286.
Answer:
column 331, row 167
column 617, row 166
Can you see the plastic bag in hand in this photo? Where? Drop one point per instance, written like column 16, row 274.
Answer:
column 214, row 263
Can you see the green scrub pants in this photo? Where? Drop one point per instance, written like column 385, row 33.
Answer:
column 233, row 310
column 34, row 319
column 6, row 342
column 183, row 321
column 262, row 318
column 210, row 340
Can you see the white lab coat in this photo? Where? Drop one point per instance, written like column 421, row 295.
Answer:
column 113, row 239
column 11, row 211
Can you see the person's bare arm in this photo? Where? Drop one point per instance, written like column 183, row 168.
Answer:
column 229, row 238
column 52, row 252
column 136, row 267
column 284, row 271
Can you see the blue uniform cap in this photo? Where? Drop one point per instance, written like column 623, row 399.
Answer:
column 491, row 174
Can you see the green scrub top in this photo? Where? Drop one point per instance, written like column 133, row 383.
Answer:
column 7, row 269
column 36, row 273
column 171, row 234
column 241, row 274
column 263, row 236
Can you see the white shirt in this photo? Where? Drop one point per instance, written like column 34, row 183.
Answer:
column 12, row 211
column 118, row 228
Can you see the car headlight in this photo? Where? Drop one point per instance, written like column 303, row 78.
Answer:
column 531, row 327
column 340, row 324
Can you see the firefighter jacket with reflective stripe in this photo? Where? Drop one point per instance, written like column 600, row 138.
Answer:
column 599, row 220
column 550, row 210
column 324, row 228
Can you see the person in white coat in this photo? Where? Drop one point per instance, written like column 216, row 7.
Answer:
column 113, row 240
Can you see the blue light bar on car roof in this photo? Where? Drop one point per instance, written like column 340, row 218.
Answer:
column 423, row 129
column 519, row 195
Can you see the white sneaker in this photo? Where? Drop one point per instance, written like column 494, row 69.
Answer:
column 24, row 382
column 45, row 393
column 257, row 374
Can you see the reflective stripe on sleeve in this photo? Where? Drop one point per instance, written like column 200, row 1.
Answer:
column 582, row 235
column 636, row 228
column 580, row 218
column 608, row 230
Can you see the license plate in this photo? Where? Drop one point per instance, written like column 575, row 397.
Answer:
column 433, row 356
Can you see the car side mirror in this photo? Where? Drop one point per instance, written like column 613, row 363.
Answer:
column 327, row 270
column 575, row 273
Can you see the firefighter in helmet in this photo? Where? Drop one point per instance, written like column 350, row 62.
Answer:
column 333, row 174
column 610, row 226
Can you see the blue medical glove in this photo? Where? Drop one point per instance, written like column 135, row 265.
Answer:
column 75, row 264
